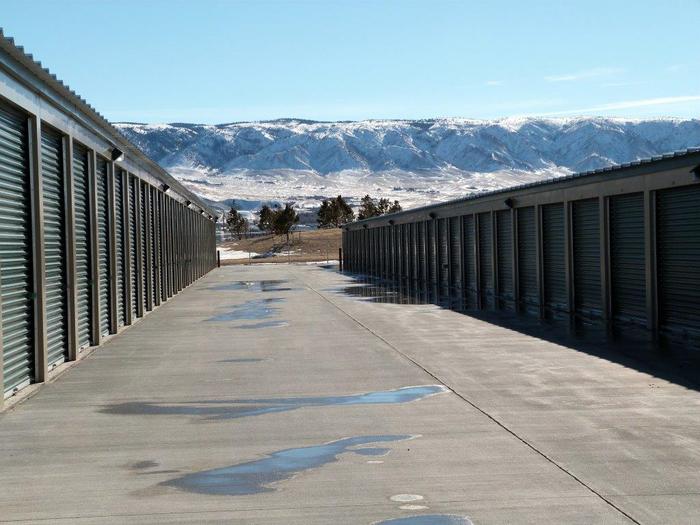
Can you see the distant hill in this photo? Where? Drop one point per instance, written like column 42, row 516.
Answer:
column 418, row 161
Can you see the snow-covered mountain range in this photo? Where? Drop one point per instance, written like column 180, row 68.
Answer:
column 415, row 161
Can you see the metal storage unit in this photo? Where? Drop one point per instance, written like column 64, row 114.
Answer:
column 16, row 276
column 627, row 266
column 83, row 245
column 678, row 260
column 54, row 208
column 65, row 272
column 119, row 247
column 133, row 246
column 528, row 289
column 145, row 274
column 504, row 259
column 103, row 244
column 153, row 245
column 486, row 285
column 422, row 258
column 456, row 260
column 586, row 258
column 553, row 260
column 443, row 259
column 471, row 288
column 432, row 253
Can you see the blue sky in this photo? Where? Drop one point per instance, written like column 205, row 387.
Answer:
column 221, row 61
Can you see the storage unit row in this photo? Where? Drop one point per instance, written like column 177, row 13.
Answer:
column 613, row 247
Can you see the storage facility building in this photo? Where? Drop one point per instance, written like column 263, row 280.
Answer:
column 93, row 234
column 617, row 247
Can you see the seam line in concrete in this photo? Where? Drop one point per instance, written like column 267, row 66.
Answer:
column 476, row 407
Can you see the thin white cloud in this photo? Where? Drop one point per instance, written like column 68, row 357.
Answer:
column 493, row 83
column 587, row 73
column 629, row 104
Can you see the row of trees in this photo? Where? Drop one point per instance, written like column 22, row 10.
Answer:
column 332, row 214
column 336, row 212
column 276, row 219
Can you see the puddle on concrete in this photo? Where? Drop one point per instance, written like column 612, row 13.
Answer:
column 271, row 285
column 428, row 519
column 264, row 324
column 255, row 477
column 242, row 360
column 236, row 408
column 373, row 451
column 140, row 465
column 252, row 310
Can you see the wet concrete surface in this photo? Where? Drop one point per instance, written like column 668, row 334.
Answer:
column 428, row 519
column 530, row 429
column 236, row 408
column 270, row 285
column 252, row 310
column 257, row 476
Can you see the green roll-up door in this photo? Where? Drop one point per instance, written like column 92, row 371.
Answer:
column 120, row 246
column 456, row 257
column 678, row 260
column 443, row 260
column 627, row 268
column 144, row 276
column 154, row 242
column 586, row 238
column 422, row 266
column 103, row 244
column 432, row 253
column 553, row 260
column 83, row 277
column 53, row 192
column 133, row 243
column 469, row 254
column 15, row 252
column 527, row 261
column 504, row 262
column 486, row 261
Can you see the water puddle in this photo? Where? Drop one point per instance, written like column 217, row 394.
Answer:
column 271, row 285
column 237, row 408
column 428, row 519
column 264, row 324
column 252, row 310
column 255, row 477
column 242, row 360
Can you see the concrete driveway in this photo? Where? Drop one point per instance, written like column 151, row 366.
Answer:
column 273, row 394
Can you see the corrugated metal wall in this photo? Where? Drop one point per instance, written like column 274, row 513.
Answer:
column 610, row 259
column 83, row 244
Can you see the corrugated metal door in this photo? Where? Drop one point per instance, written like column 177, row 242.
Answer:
column 627, row 268
column 153, row 243
column 53, row 190
column 678, row 259
column 15, row 252
column 486, row 261
column 469, row 251
column 133, row 243
column 504, row 261
column 432, row 254
column 144, row 276
column 103, row 244
column 586, row 258
column 119, row 246
column 83, row 248
column 527, row 261
column 456, row 260
column 553, row 259
column 422, row 260
column 443, row 259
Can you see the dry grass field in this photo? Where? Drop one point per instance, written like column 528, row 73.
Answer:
column 307, row 246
